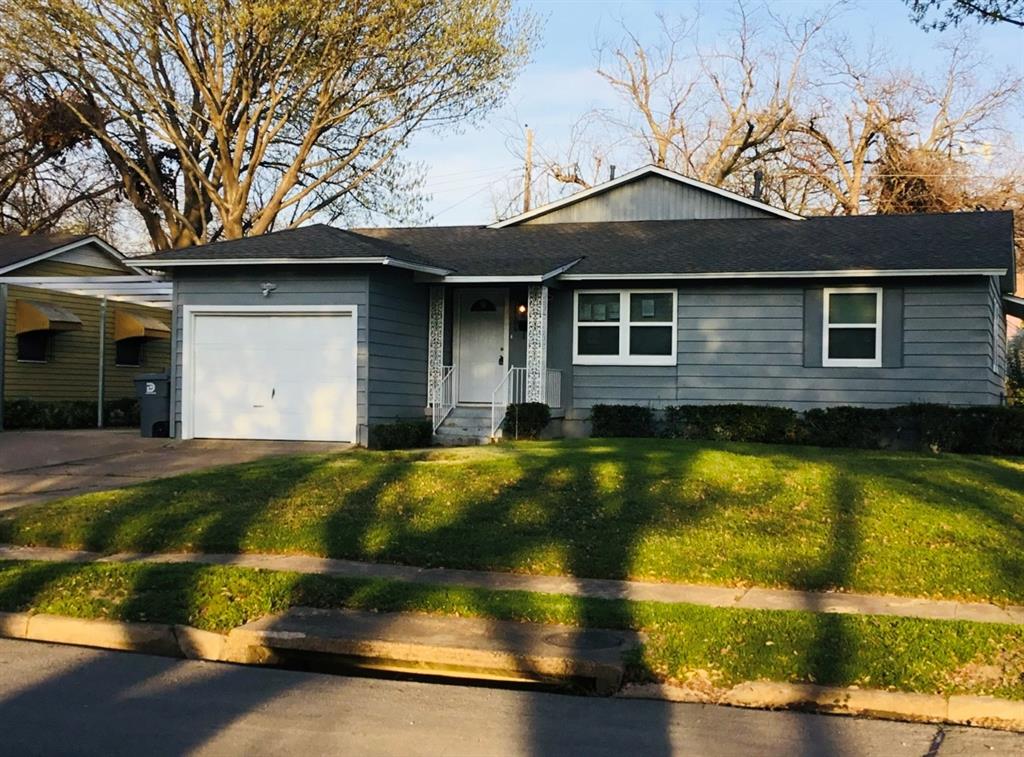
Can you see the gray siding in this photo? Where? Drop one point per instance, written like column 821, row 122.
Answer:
column 397, row 347
column 745, row 343
column 997, row 376
column 652, row 198
column 301, row 285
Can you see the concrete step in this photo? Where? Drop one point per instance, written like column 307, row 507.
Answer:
column 466, row 648
column 463, row 430
column 461, row 440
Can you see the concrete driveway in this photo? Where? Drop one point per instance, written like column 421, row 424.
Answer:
column 36, row 466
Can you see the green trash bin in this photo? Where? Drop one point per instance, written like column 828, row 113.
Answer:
column 154, row 394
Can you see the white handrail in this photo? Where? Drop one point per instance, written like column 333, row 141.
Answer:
column 442, row 396
column 510, row 390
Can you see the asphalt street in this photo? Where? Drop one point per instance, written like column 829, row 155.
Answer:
column 66, row 700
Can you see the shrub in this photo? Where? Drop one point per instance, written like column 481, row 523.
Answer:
column 752, row 423
column 847, row 426
column 622, row 420
column 982, row 430
column 1015, row 369
column 64, row 414
column 401, row 435
column 989, row 430
column 526, row 420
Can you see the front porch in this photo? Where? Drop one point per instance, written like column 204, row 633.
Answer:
column 487, row 349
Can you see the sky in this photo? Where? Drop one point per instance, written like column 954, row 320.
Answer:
column 465, row 168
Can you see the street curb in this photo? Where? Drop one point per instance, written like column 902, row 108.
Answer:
column 980, row 711
column 196, row 644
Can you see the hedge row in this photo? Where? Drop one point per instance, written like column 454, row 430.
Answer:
column 61, row 414
column 939, row 428
column 400, row 435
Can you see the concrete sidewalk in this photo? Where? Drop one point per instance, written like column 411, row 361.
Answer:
column 640, row 591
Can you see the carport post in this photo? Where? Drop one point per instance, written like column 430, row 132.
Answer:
column 99, row 382
column 3, row 348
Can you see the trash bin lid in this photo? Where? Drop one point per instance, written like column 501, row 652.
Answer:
column 162, row 376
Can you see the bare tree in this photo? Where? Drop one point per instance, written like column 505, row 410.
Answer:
column 941, row 14
column 710, row 112
column 51, row 175
column 223, row 118
column 868, row 124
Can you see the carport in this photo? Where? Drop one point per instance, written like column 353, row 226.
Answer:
column 130, row 329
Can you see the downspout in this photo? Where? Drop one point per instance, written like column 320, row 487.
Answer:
column 3, row 349
column 103, row 346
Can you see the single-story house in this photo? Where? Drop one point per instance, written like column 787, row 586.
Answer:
column 650, row 289
column 78, row 321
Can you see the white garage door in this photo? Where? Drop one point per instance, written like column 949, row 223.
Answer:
column 281, row 376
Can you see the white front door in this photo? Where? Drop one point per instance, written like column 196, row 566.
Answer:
column 481, row 342
column 283, row 375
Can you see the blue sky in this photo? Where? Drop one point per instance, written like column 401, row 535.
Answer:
column 465, row 168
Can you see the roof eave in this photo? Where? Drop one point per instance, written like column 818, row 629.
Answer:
column 383, row 260
column 848, row 273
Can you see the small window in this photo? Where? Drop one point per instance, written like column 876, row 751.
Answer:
column 852, row 328
column 34, row 346
column 129, row 352
column 483, row 306
column 631, row 327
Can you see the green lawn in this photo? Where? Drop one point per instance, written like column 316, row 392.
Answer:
column 712, row 647
column 802, row 517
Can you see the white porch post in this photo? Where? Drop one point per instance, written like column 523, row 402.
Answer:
column 536, row 343
column 435, row 340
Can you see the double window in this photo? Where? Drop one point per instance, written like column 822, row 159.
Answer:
column 625, row 327
column 852, row 327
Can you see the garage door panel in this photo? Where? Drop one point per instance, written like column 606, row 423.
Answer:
column 275, row 376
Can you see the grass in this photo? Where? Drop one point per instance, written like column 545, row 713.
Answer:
column 735, row 514
column 709, row 647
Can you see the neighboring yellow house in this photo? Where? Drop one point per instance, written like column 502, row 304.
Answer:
column 64, row 301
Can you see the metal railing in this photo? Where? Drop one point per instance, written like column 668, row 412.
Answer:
column 510, row 390
column 442, row 396
column 553, row 389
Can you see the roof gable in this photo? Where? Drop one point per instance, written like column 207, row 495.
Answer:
column 18, row 251
column 648, row 194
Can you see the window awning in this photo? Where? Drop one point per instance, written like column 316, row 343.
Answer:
column 31, row 315
column 133, row 325
column 1013, row 305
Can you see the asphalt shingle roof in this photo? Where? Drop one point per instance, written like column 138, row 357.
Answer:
column 303, row 243
column 928, row 242
column 14, row 248
column 869, row 243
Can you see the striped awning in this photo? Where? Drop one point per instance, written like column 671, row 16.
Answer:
column 31, row 315
column 133, row 325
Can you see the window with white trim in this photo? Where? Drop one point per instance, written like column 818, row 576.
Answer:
column 624, row 327
column 852, row 327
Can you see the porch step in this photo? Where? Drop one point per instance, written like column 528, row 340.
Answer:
column 465, row 426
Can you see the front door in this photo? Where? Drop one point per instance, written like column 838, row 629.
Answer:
column 481, row 342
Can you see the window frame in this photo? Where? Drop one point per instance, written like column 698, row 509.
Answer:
column 142, row 353
column 826, row 328
column 47, row 352
column 624, row 325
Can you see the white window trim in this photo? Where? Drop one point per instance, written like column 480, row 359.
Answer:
column 623, row 325
column 826, row 327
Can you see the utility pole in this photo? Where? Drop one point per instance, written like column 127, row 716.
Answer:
column 528, row 172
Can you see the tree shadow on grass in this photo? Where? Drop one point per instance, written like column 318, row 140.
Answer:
column 556, row 508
